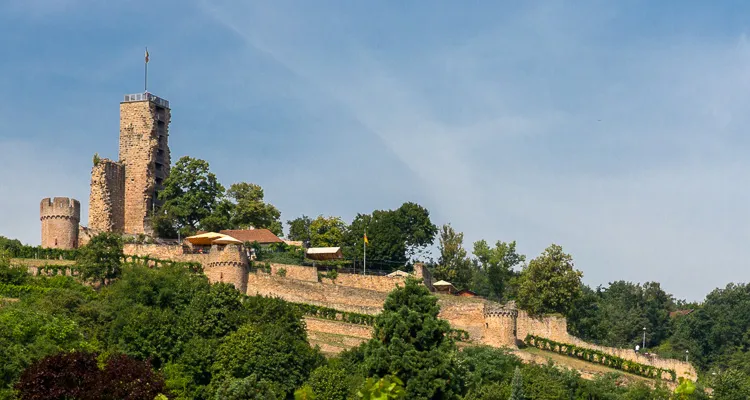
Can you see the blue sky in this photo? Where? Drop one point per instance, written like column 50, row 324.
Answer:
column 615, row 129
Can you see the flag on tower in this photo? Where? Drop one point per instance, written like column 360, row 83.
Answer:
column 146, row 55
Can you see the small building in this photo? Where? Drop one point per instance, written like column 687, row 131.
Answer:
column 444, row 287
column 397, row 273
column 324, row 253
column 466, row 293
column 264, row 237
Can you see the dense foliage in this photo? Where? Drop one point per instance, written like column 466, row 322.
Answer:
column 193, row 199
column 395, row 236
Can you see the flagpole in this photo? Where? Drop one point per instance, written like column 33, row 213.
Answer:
column 364, row 244
column 145, row 73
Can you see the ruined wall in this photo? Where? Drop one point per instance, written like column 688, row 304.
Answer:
column 228, row 263
column 107, row 197
column 143, row 139
column 421, row 272
column 60, row 217
column 298, row 272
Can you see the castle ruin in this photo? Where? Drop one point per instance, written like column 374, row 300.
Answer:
column 123, row 193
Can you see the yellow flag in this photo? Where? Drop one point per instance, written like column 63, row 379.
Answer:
column 366, row 241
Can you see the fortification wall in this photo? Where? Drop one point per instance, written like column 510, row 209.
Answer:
column 338, row 328
column 556, row 328
column 682, row 368
column 139, row 143
column 107, row 197
column 383, row 284
column 550, row 326
column 321, row 294
column 464, row 313
column 297, row 272
column 60, row 217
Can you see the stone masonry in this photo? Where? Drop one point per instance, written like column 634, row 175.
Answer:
column 144, row 151
column 60, row 218
column 107, row 198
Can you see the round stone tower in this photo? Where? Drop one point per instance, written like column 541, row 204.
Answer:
column 228, row 263
column 60, row 218
column 500, row 327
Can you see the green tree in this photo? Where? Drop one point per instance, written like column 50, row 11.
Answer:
column 516, row 386
column 411, row 342
column 549, row 284
column 454, row 265
column 251, row 210
column 395, row 236
column 327, row 231
column 731, row 385
column 716, row 334
column 414, row 223
column 101, row 259
column 190, row 195
column 388, row 387
column 330, row 382
column 249, row 388
column 299, row 228
column 269, row 353
column 497, row 263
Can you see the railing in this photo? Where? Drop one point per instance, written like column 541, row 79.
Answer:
column 147, row 97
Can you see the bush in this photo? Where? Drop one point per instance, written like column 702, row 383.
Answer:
column 77, row 375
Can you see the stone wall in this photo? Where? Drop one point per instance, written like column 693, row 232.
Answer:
column 464, row 313
column 60, row 217
column 140, row 139
column 107, row 197
column 342, row 298
column 383, row 284
column 164, row 252
column 298, row 272
column 550, row 327
column 421, row 272
column 338, row 328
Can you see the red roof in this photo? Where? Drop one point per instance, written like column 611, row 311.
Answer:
column 262, row 236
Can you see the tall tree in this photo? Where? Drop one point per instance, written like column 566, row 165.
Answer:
column 101, row 259
column 419, row 232
column 327, row 231
column 454, row 265
column 549, row 284
column 516, row 386
column 251, row 209
column 395, row 236
column 497, row 263
column 191, row 193
column 411, row 342
column 299, row 228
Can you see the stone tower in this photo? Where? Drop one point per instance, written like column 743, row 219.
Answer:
column 228, row 263
column 500, row 327
column 60, row 218
column 144, row 153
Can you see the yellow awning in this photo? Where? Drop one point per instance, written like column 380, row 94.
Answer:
column 204, row 238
